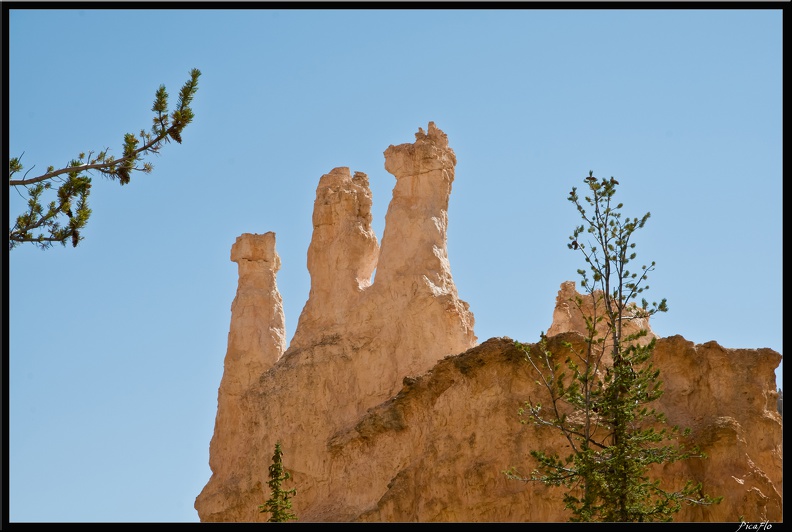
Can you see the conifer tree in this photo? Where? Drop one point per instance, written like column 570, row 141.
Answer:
column 279, row 503
column 63, row 218
column 601, row 395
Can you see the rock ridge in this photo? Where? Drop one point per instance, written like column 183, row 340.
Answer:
column 400, row 324
column 387, row 408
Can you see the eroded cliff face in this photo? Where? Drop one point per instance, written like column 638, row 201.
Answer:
column 386, row 408
column 441, row 444
column 355, row 340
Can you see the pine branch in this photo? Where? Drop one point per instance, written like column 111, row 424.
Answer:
column 78, row 183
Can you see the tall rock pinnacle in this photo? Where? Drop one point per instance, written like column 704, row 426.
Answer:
column 256, row 340
column 342, row 254
column 355, row 340
column 257, row 336
column 413, row 298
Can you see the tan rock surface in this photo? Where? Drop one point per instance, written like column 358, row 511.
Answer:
column 440, row 444
column 355, row 340
column 568, row 315
column 388, row 411
column 256, row 340
column 341, row 257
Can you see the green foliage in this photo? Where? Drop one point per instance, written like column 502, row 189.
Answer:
column 601, row 394
column 63, row 218
column 279, row 503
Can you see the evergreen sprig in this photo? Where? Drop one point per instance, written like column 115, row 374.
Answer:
column 63, row 218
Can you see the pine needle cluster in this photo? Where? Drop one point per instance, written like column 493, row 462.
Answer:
column 63, row 218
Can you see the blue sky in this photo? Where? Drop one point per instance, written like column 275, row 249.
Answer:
column 116, row 347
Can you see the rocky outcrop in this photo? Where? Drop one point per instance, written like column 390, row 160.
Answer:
column 355, row 339
column 413, row 298
column 442, row 442
column 572, row 307
column 256, row 341
column 342, row 255
column 387, row 410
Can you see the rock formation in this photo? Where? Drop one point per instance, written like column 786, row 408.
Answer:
column 387, row 410
column 439, row 446
column 355, row 340
column 568, row 314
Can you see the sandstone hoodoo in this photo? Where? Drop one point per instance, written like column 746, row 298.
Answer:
column 386, row 407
